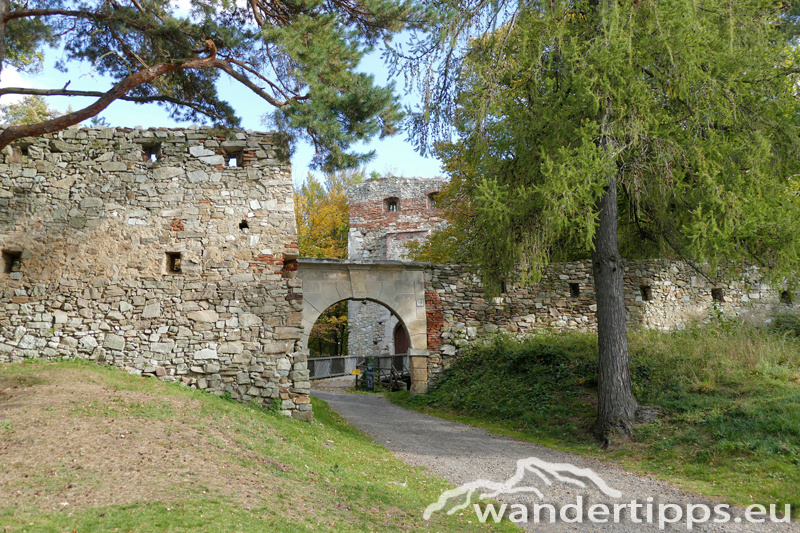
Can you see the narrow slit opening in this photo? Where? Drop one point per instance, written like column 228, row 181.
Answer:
column 574, row 290
column 173, row 262
column 12, row 261
column 646, row 292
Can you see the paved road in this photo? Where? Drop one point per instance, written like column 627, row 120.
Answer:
column 463, row 454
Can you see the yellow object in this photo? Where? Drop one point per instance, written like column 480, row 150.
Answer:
column 356, row 371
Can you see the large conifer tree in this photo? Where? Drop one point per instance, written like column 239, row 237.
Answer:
column 669, row 124
column 298, row 56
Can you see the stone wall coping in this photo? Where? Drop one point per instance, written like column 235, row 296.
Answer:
column 313, row 262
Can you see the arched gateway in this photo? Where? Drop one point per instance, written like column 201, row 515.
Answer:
column 399, row 286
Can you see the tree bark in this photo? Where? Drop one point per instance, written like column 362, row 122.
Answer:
column 4, row 4
column 616, row 406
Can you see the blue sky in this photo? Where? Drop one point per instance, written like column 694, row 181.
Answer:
column 395, row 154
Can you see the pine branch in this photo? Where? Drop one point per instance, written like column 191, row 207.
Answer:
column 135, row 99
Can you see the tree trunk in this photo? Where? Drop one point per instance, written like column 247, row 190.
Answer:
column 4, row 5
column 616, row 406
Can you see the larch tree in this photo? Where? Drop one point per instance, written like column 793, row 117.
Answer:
column 298, row 56
column 669, row 125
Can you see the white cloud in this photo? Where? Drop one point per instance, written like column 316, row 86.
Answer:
column 12, row 78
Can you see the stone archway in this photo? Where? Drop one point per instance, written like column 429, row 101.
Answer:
column 400, row 287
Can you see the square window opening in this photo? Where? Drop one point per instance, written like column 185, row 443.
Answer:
column 243, row 225
column 234, row 159
column 717, row 295
column 574, row 290
column 392, row 205
column 151, row 153
column 786, row 297
column 12, row 261
column 173, row 262
column 647, row 293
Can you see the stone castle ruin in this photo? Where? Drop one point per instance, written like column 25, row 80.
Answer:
column 662, row 294
column 385, row 214
column 167, row 252
column 173, row 253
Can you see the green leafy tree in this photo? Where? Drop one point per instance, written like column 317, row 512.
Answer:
column 29, row 110
column 298, row 56
column 668, row 124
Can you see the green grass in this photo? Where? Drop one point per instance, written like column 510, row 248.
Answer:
column 319, row 476
column 729, row 397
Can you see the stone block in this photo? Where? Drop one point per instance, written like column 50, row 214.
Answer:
column 206, row 353
column 114, row 342
column 152, row 310
column 209, row 315
column 247, row 320
column 231, row 348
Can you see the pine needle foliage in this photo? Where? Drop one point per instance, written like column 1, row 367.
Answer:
column 298, row 56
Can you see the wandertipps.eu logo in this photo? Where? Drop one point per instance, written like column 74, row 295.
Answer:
column 461, row 497
column 531, row 471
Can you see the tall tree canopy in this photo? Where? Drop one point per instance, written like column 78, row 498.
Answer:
column 322, row 211
column 298, row 56
column 29, row 110
column 677, row 120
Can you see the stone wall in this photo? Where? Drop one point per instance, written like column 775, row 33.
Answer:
column 373, row 333
column 167, row 252
column 379, row 232
column 661, row 294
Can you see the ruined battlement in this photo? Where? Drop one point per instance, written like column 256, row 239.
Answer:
column 386, row 213
column 168, row 252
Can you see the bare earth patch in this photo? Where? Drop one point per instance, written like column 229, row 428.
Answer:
column 67, row 440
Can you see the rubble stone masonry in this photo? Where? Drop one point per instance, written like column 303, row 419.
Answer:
column 385, row 214
column 661, row 294
column 166, row 252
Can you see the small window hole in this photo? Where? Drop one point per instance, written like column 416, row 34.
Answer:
column 243, row 225
column 432, row 200
column 786, row 297
column 12, row 261
column 646, row 292
column 716, row 295
column 173, row 262
column 503, row 287
column 392, row 205
column 574, row 290
column 151, row 153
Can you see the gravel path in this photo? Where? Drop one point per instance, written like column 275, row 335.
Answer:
column 462, row 454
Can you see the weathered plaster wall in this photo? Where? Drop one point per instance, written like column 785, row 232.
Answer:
column 93, row 214
column 378, row 233
column 660, row 294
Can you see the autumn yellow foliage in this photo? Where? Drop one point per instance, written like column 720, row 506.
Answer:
column 323, row 222
column 323, row 214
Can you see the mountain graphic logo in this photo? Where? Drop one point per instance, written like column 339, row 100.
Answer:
column 563, row 472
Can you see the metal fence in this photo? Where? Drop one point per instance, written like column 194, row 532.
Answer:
column 343, row 365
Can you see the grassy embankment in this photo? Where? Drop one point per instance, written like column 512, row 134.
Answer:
column 729, row 397
column 89, row 448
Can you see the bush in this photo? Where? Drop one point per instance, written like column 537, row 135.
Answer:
column 787, row 323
